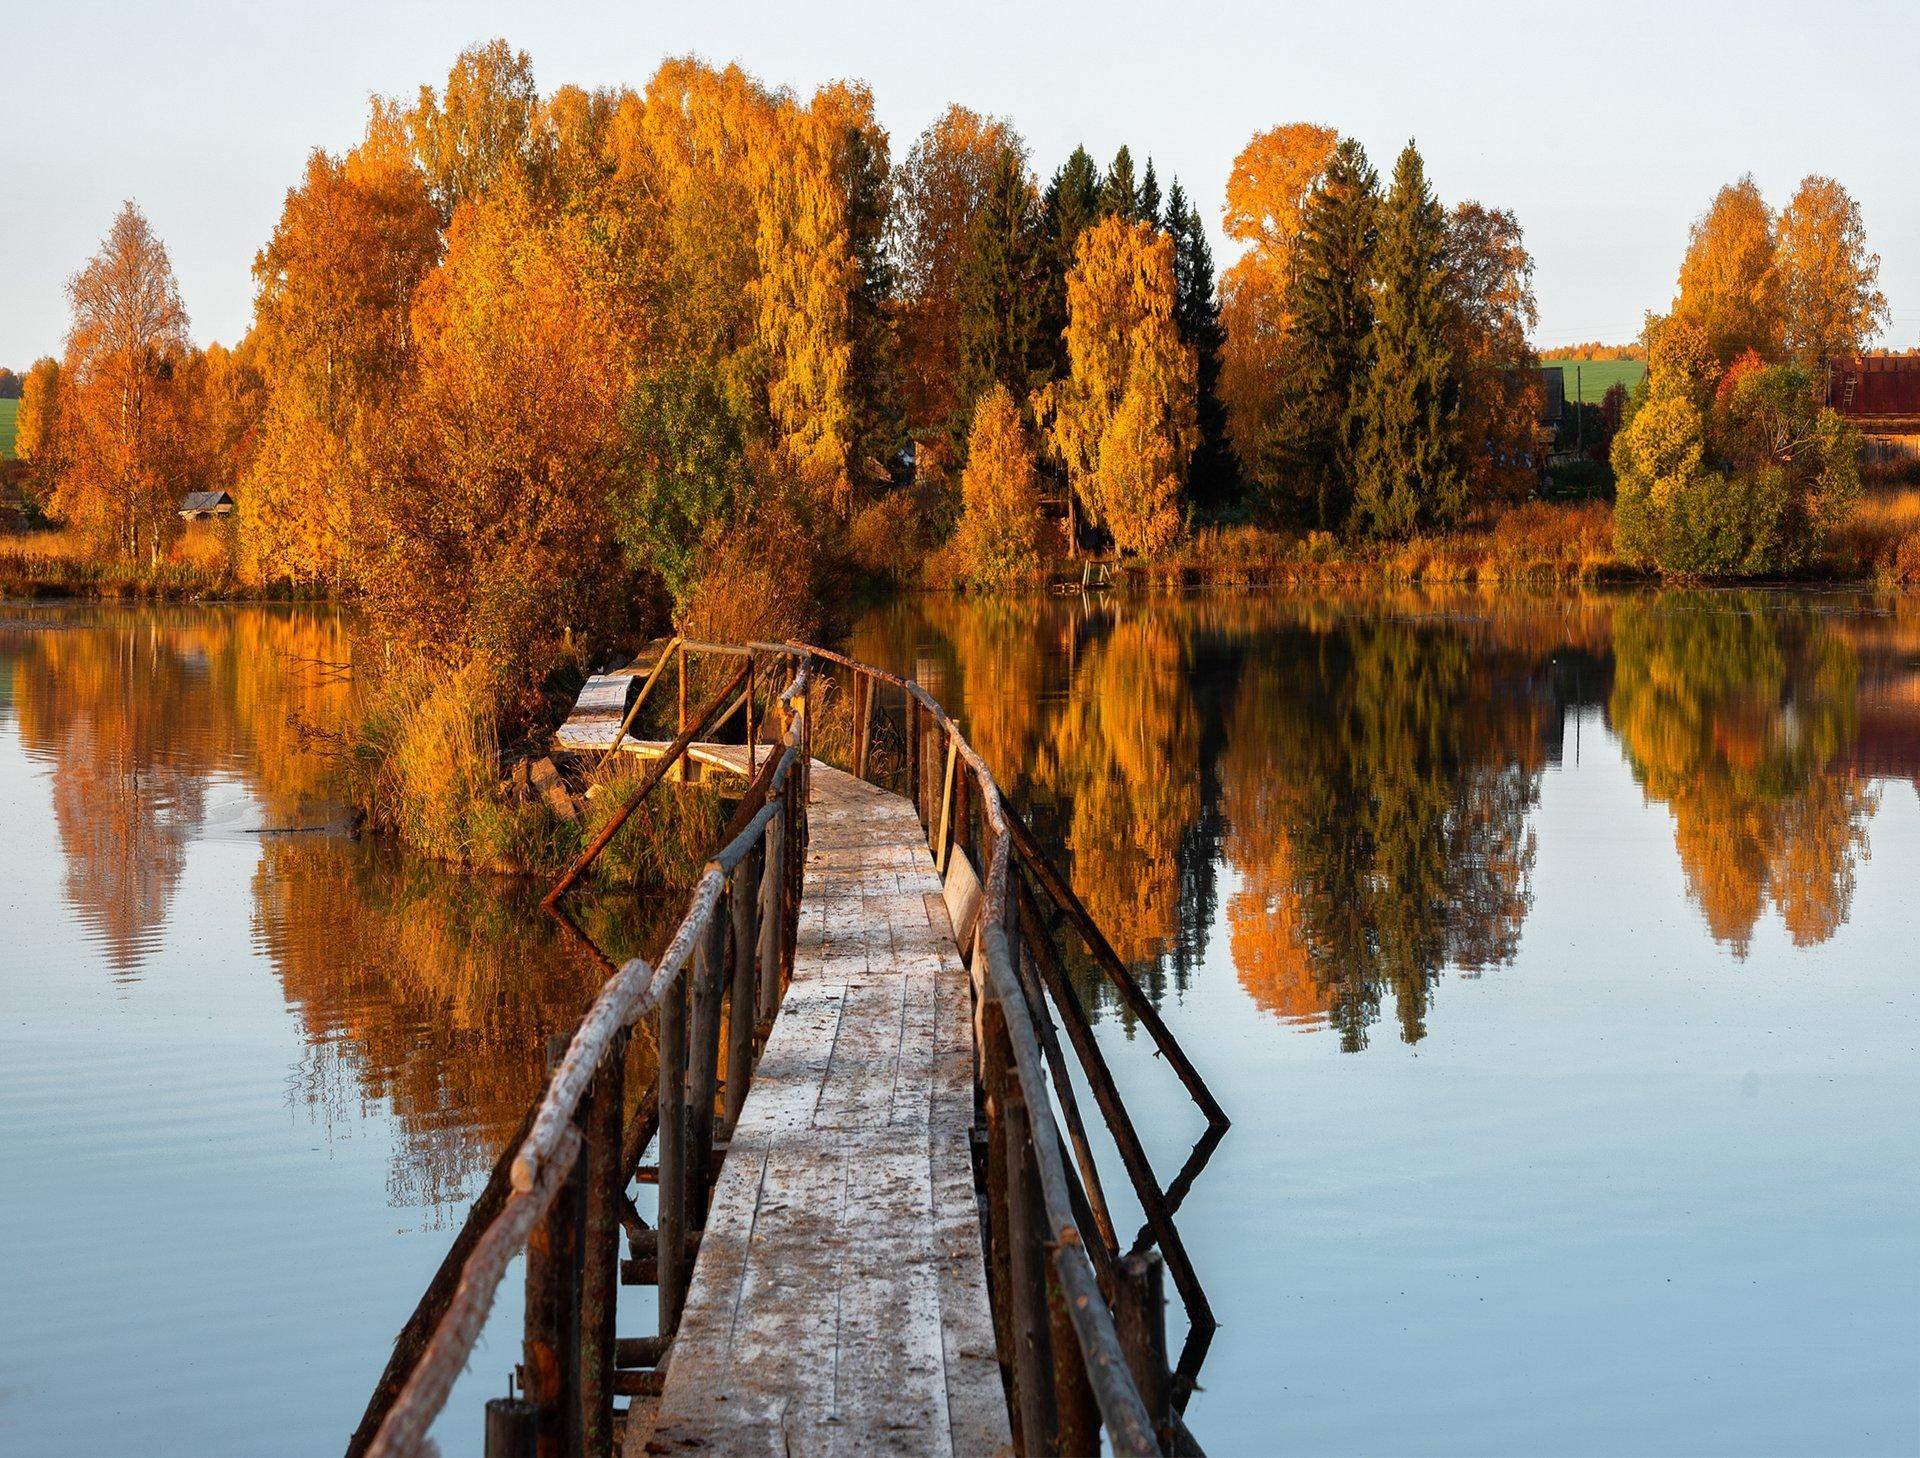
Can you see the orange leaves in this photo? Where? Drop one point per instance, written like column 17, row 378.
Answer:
column 1123, row 420
column 999, row 531
column 1269, row 184
column 1266, row 196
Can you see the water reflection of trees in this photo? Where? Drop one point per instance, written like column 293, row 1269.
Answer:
column 417, row 989
column 432, row 993
column 1363, row 770
column 134, row 714
column 1378, row 777
column 1738, row 714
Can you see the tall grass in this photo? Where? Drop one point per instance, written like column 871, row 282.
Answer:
column 1881, row 539
column 1536, row 543
column 62, row 563
column 426, row 767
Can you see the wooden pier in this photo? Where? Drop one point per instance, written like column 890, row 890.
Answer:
column 872, row 1236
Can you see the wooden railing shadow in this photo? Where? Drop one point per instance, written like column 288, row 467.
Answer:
column 1080, row 1323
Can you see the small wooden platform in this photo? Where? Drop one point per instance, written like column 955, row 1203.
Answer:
column 839, row 1301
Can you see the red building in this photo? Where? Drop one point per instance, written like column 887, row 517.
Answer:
column 1880, row 395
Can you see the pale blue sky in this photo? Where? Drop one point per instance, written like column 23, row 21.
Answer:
column 1606, row 127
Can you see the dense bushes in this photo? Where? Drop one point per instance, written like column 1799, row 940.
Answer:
column 1734, row 474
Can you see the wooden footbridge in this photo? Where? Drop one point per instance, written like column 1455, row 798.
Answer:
column 878, row 1223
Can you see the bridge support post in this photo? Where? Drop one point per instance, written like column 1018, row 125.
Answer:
column 606, row 1183
column 1140, row 1321
column 742, row 1009
column 672, row 1221
column 550, row 1372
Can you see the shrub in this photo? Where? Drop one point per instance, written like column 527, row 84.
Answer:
column 998, row 539
column 888, row 538
column 756, row 580
column 1748, row 485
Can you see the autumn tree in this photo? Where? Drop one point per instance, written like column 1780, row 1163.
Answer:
column 492, row 544
column 1730, row 279
column 123, row 467
column 1409, row 473
column 1490, row 277
column 37, row 436
column 1123, row 419
column 946, row 180
column 998, row 539
column 1267, row 193
column 479, row 128
column 1733, row 482
column 1069, row 206
column 332, row 338
column 1330, row 333
column 1830, row 297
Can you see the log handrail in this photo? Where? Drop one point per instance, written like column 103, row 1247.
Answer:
column 545, row 1154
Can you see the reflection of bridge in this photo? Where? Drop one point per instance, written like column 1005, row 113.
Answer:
column 879, row 1223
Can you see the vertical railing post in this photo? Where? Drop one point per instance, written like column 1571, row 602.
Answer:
column 752, row 671
column 914, row 794
column 990, row 1077
column 672, row 1220
column 606, row 1182
column 550, row 1367
column 863, row 686
column 681, row 726
column 1027, row 1247
column 1140, row 1321
column 703, row 1057
column 941, row 840
column 742, row 1012
column 772, row 890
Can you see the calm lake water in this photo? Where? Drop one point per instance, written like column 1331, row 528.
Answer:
column 1556, row 960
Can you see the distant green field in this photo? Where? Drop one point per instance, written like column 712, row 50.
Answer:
column 8, row 409
column 1596, row 376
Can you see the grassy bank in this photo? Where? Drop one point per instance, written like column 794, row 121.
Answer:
column 59, row 564
column 9, row 414
column 1537, row 544
column 427, row 766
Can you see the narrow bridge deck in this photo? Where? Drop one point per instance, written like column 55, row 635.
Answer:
column 839, row 1301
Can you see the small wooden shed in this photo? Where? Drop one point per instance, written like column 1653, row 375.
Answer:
column 205, row 505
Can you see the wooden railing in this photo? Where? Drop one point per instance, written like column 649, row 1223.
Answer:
column 1079, row 1321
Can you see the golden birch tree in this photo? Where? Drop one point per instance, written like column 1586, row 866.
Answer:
column 1123, row 420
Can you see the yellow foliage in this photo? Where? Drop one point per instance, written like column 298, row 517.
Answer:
column 999, row 535
column 1123, row 420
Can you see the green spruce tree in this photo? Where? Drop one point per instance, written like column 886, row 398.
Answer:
column 1120, row 193
column 1070, row 206
column 878, row 404
column 1149, row 209
column 1410, row 465
column 1002, row 283
column 1212, row 477
column 1331, row 333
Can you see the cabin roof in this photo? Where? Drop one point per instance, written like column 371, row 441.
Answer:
column 205, row 500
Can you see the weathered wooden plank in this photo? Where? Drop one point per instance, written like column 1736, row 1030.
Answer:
column 839, row 1301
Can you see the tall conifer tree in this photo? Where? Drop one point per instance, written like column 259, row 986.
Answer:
column 1001, row 290
column 1120, row 192
column 1149, row 208
column 1211, row 479
column 1331, row 332
column 1071, row 206
column 1410, row 465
